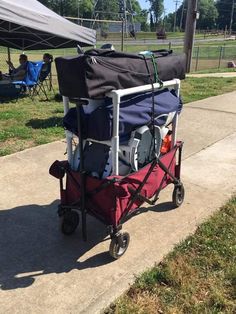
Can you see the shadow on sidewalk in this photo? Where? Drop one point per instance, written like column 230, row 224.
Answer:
column 32, row 245
column 158, row 208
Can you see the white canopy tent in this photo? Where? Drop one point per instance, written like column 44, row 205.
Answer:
column 29, row 25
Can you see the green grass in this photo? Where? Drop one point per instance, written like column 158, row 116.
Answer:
column 138, row 48
column 152, row 35
column 193, row 89
column 215, row 70
column 208, row 52
column 198, row 276
column 26, row 123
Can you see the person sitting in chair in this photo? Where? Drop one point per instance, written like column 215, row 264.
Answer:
column 46, row 69
column 16, row 74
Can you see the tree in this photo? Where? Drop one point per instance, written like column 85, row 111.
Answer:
column 169, row 22
column 86, row 8
column 151, row 22
column 110, row 9
column 224, row 8
column 142, row 18
column 207, row 17
column 62, row 7
column 208, row 14
column 104, row 9
column 138, row 14
column 156, row 10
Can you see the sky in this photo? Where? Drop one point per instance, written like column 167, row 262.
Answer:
column 168, row 4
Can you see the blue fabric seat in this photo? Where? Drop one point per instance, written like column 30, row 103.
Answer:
column 31, row 79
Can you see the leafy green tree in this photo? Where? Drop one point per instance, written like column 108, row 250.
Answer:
column 108, row 9
column 139, row 15
column 62, row 7
column 151, row 22
column 207, row 17
column 208, row 14
column 104, row 9
column 142, row 18
column 169, row 22
column 224, row 8
column 156, row 10
column 86, row 8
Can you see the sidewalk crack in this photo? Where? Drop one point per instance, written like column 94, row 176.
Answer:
column 211, row 144
column 210, row 109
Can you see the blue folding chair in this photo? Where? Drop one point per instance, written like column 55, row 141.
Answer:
column 31, row 79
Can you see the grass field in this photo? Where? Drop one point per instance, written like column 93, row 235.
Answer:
column 152, row 35
column 207, row 52
column 26, row 123
column 216, row 70
column 208, row 57
column 198, row 276
column 199, row 88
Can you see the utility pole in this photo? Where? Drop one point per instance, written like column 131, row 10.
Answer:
column 176, row 6
column 125, row 17
column 164, row 17
column 231, row 18
column 190, row 28
column 182, row 16
column 61, row 8
column 78, row 11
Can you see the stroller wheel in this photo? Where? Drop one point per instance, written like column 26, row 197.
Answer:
column 119, row 245
column 70, row 222
column 178, row 195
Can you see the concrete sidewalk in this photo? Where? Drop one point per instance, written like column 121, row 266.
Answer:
column 218, row 74
column 42, row 271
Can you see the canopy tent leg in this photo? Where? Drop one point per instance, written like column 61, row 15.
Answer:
column 9, row 57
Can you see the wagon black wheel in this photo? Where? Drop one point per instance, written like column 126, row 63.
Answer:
column 70, row 222
column 119, row 245
column 178, row 195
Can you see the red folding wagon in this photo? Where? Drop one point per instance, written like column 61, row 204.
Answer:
column 125, row 182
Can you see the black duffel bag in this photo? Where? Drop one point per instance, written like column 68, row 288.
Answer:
column 99, row 71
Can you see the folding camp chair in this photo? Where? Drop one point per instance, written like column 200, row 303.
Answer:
column 45, row 79
column 31, row 79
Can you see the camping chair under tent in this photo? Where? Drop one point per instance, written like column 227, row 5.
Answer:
column 47, row 30
column 45, row 80
column 15, row 89
column 31, row 79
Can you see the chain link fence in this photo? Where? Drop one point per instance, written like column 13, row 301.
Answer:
column 3, row 58
column 204, row 57
column 209, row 57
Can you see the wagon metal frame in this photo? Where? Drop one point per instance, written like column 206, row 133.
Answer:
column 85, row 188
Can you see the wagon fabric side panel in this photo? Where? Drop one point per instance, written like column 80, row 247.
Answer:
column 109, row 199
column 156, row 178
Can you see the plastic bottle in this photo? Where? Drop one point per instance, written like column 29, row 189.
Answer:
column 166, row 144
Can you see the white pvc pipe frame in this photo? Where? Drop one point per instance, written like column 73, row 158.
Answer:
column 69, row 135
column 116, row 96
